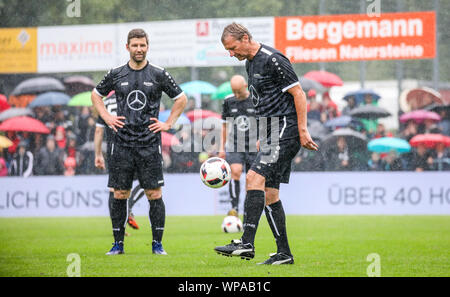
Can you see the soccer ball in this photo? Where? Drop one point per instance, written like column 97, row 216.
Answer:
column 232, row 224
column 215, row 172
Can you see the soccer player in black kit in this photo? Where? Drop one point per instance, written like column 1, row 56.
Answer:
column 100, row 128
column 239, row 113
column 136, row 148
column 280, row 105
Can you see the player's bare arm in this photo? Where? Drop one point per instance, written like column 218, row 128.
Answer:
column 98, row 138
column 177, row 109
column 113, row 122
column 300, row 107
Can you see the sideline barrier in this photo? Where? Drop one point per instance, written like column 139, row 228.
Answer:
column 324, row 193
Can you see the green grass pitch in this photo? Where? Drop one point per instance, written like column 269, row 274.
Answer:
column 322, row 246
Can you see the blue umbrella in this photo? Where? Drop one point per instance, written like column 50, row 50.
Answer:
column 387, row 144
column 182, row 119
column 359, row 95
column 49, row 99
column 198, row 87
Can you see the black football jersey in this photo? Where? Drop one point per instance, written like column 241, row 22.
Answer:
column 241, row 114
column 138, row 96
column 111, row 107
column 270, row 75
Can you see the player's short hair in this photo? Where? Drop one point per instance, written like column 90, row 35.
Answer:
column 237, row 31
column 137, row 33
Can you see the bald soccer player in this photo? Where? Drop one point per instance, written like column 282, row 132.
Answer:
column 238, row 142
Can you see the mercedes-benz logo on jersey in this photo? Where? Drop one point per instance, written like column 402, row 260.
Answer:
column 242, row 123
column 254, row 95
column 136, row 100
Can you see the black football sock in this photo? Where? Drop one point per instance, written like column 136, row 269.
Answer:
column 157, row 215
column 253, row 208
column 277, row 221
column 119, row 218
column 110, row 203
column 235, row 190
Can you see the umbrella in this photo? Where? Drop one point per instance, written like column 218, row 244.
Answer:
column 309, row 84
column 222, row 91
column 387, row 144
column 3, row 103
column 360, row 94
column 182, row 119
column 369, row 112
column 419, row 116
column 343, row 121
column 15, row 112
column 76, row 84
column 202, row 114
column 49, row 99
column 168, row 139
column 38, row 85
column 412, row 99
column 354, row 138
column 5, row 142
column 327, row 79
column 82, row 99
column 25, row 124
column 198, row 87
column 317, row 130
column 437, row 108
column 430, row 140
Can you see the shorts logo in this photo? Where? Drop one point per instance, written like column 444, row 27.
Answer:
column 242, row 123
column 254, row 95
column 136, row 100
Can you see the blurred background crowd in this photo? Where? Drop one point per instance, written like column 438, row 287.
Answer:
column 47, row 127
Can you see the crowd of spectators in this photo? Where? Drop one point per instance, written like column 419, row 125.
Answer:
column 345, row 156
column 69, row 149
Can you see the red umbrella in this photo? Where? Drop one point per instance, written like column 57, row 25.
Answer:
column 430, row 140
column 202, row 114
column 419, row 116
column 327, row 79
column 4, row 103
column 25, row 124
column 168, row 139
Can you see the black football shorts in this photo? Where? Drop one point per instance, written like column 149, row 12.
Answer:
column 275, row 163
column 126, row 162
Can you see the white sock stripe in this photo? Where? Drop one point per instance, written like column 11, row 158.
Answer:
column 273, row 221
column 126, row 218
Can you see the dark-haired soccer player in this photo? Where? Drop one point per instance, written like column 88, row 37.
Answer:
column 239, row 113
column 280, row 105
column 136, row 148
column 100, row 130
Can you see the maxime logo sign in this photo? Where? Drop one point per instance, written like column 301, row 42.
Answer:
column 408, row 35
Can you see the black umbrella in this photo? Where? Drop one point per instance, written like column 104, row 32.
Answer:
column 76, row 84
column 438, row 107
column 38, row 85
column 369, row 112
column 354, row 139
column 309, row 84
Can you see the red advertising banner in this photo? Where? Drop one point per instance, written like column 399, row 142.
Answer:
column 334, row 38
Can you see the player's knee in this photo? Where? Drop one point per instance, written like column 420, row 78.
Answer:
column 153, row 194
column 254, row 181
column 272, row 195
column 121, row 194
